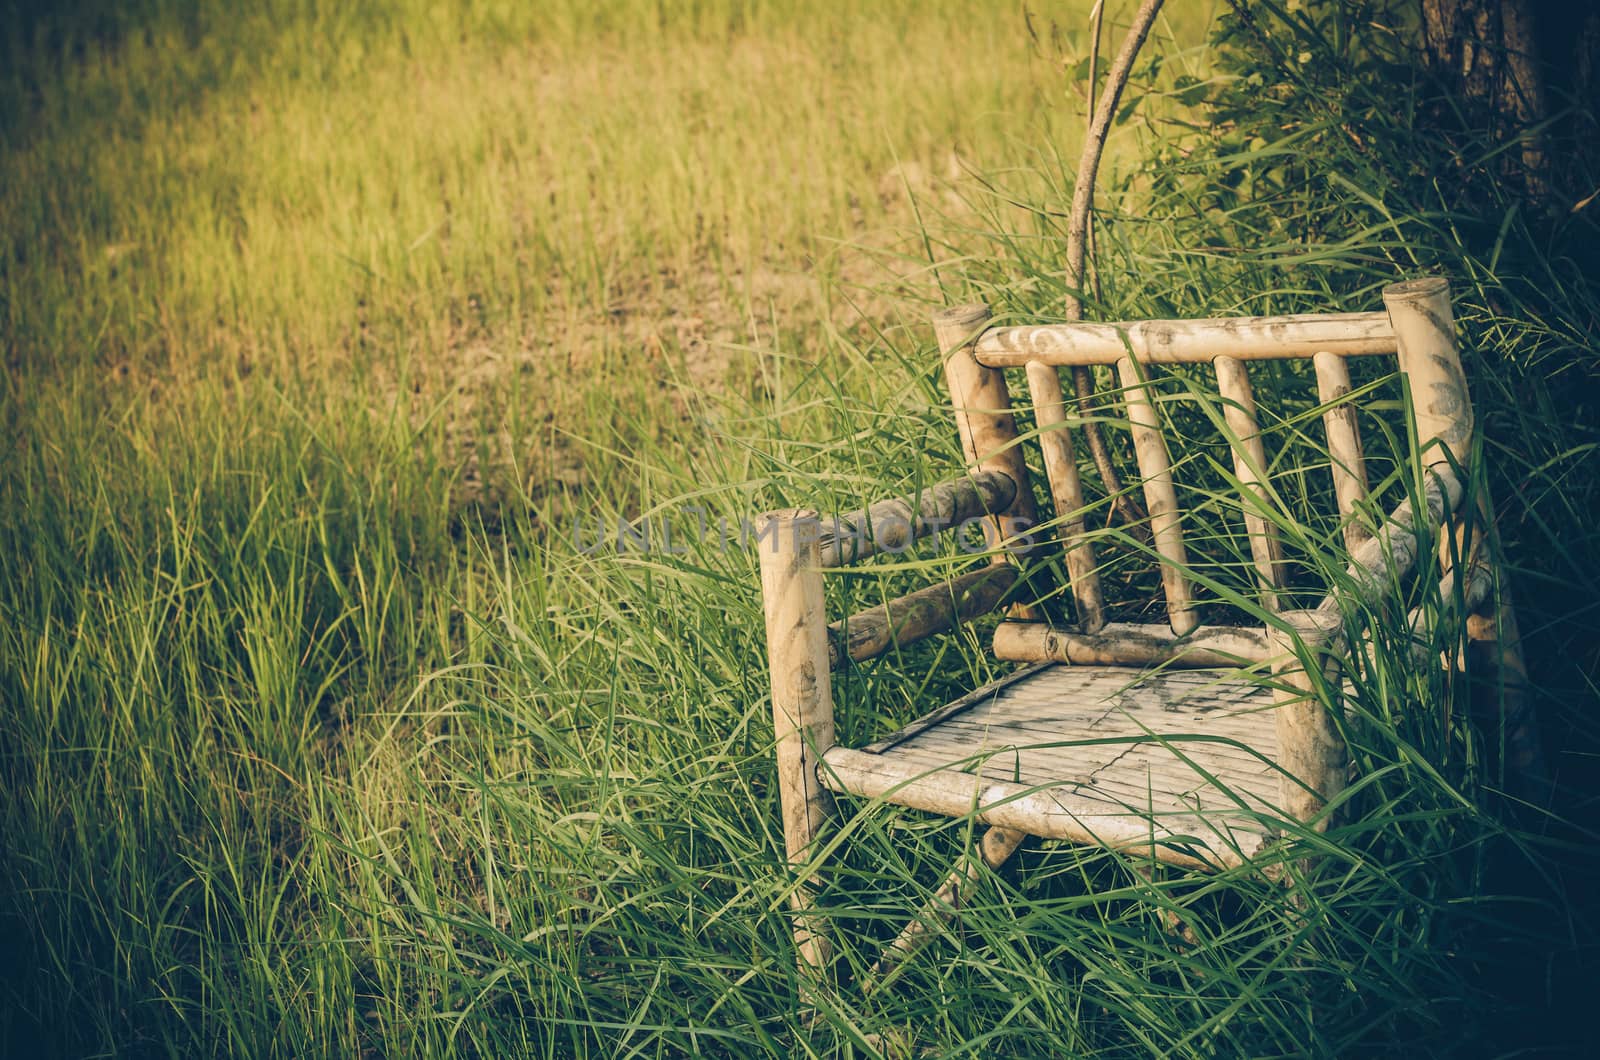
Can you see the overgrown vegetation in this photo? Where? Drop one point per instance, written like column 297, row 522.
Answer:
column 322, row 735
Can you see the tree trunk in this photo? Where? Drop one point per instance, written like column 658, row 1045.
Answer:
column 1513, row 64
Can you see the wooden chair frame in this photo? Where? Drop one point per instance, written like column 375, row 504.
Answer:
column 795, row 547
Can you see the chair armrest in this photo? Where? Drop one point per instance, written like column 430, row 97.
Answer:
column 1377, row 563
column 893, row 525
column 919, row 614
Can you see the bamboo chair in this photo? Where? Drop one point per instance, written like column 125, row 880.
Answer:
column 1016, row 755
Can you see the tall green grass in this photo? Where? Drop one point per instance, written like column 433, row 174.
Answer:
column 311, row 749
column 207, row 191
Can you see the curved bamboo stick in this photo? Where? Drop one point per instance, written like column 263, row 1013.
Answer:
column 1382, row 560
column 1079, row 227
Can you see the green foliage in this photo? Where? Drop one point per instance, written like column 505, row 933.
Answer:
column 1318, row 165
column 304, row 754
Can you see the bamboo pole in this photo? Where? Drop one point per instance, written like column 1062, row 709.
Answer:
column 994, row 848
column 893, row 525
column 1094, row 144
column 1066, row 489
column 802, row 701
column 1130, row 644
column 1249, row 466
column 1496, row 637
column 1050, row 813
column 1155, row 466
column 1345, row 456
column 1189, row 341
column 1425, row 338
column 1425, row 331
column 988, row 430
column 1379, row 563
column 920, row 614
column 1474, row 590
column 1311, row 750
column 983, row 418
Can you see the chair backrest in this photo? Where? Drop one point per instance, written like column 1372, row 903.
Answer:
column 1160, row 368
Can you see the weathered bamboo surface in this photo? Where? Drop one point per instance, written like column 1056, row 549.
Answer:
column 1474, row 591
column 1160, row 497
column 1425, row 330
column 1344, row 443
column 893, row 525
column 1131, row 644
column 1250, row 468
column 1184, row 839
column 1310, row 747
column 1188, row 341
column 1076, row 753
column 1380, row 562
column 1066, row 490
column 935, row 717
column 1424, row 326
column 802, row 703
column 910, row 618
column 982, row 407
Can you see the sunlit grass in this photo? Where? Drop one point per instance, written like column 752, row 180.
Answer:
column 320, row 733
column 297, row 190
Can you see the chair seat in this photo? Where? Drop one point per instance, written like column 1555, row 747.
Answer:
column 1179, row 763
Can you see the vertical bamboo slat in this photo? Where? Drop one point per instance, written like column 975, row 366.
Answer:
column 1155, row 467
column 1250, row 467
column 802, row 699
column 1066, row 489
column 1344, row 443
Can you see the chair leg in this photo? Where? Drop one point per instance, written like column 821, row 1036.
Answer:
column 811, row 942
column 1176, row 926
column 996, row 846
column 1495, row 639
column 802, row 702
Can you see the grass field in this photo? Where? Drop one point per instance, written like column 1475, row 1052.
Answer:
column 321, row 736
